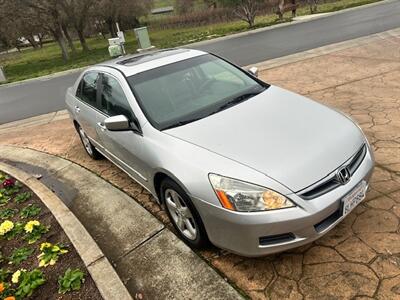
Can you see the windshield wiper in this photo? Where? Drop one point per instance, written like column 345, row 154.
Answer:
column 180, row 123
column 226, row 105
column 236, row 100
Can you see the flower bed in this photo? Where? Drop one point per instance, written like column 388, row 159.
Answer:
column 37, row 260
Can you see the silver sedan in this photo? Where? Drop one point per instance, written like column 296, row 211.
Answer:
column 247, row 166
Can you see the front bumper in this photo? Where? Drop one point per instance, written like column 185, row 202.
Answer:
column 262, row 233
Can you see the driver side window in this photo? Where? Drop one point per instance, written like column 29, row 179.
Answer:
column 113, row 101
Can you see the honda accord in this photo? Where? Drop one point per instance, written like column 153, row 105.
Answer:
column 248, row 166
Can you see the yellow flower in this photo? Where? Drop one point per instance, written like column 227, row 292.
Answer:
column 6, row 226
column 52, row 262
column 29, row 226
column 15, row 276
column 63, row 251
column 45, row 245
column 55, row 248
column 42, row 263
column 1, row 195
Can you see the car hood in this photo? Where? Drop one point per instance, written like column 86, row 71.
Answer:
column 292, row 139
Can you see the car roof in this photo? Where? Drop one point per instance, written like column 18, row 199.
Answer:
column 137, row 63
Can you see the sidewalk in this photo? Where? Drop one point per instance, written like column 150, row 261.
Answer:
column 360, row 258
column 147, row 256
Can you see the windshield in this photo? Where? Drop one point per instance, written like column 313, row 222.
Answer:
column 185, row 91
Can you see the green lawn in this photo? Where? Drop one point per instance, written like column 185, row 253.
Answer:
column 33, row 63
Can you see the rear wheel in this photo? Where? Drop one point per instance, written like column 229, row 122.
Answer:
column 183, row 214
column 89, row 148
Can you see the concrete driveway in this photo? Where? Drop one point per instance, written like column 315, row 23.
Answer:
column 360, row 258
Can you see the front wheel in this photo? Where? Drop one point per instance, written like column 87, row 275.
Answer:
column 89, row 148
column 183, row 215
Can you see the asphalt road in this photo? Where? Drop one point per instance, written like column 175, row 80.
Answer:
column 43, row 96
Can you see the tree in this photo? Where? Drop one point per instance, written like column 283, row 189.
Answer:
column 18, row 21
column 50, row 15
column 78, row 13
column 246, row 10
column 125, row 12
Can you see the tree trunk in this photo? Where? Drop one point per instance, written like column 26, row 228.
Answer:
column 69, row 39
column 294, row 8
column 281, row 6
column 82, row 39
column 59, row 37
column 136, row 22
column 32, row 41
column 313, row 6
column 40, row 40
column 63, row 46
column 110, row 23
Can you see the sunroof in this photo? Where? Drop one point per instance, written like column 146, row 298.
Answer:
column 145, row 57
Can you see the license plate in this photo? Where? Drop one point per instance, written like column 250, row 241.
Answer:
column 352, row 199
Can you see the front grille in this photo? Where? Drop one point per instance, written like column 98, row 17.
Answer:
column 276, row 239
column 325, row 223
column 330, row 182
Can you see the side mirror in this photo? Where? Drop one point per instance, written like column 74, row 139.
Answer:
column 253, row 71
column 117, row 123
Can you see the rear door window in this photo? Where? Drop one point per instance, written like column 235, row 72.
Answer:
column 87, row 90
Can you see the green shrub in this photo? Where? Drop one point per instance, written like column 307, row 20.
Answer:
column 7, row 213
column 4, row 275
column 71, row 281
column 30, row 211
column 19, row 255
column 28, row 282
column 22, row 197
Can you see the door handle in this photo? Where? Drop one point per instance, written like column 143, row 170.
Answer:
column 101, row 126
column 77, row 109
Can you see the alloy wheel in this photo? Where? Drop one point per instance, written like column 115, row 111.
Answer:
column 85, row 141
column 181, row 214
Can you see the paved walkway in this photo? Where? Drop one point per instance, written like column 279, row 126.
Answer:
column 360, row 258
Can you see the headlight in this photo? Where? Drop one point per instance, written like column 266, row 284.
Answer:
column 242, row 196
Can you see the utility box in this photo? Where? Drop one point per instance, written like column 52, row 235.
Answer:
column 114, row 47
column 3, row 77
column 142, row 36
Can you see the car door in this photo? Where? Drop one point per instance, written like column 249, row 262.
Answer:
column 122, row 147
column 87, row 105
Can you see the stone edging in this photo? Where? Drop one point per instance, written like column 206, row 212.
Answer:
column 106, row 279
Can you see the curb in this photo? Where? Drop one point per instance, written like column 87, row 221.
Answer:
column 110, row 286
column 33, row 121
column 44, row 77
column 324, row 50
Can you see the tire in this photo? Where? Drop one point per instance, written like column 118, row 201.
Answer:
column 87, row 145
column 184, row 216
